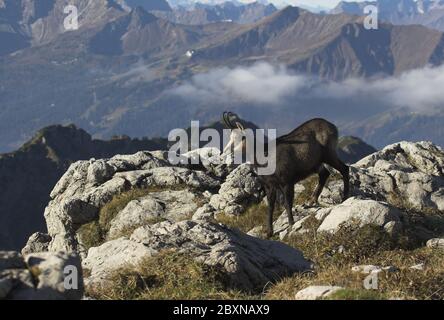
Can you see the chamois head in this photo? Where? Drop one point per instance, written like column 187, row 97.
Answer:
column 237, row 137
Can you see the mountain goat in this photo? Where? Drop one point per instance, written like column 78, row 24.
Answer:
column 299, row 154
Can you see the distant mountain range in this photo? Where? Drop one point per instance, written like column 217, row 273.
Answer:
column 429, row 13
column 200, row 14
column 116, row 73
column 399, row 125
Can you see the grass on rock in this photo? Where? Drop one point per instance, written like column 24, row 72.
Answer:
column 335, row 256
column 255, row 215
column 169, row 275
column 95, row 233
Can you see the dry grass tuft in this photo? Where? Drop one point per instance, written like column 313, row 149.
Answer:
column 169, row 275
column 95, row 233
column 255, row 216
column 335, row 255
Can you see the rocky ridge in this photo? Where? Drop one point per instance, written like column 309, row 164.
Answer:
column 387, row 188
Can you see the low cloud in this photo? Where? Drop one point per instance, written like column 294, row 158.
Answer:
column 261, row 83
column 418, row 89
column 264, row 84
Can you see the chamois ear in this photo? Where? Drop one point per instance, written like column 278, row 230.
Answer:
column 240, row 126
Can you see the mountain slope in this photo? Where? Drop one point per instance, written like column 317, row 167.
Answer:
column 117, row 75
column 140, row 32
column 429, row 13
column 330, row 46
column 353, row 149
column 43, row 21
column 390, row 126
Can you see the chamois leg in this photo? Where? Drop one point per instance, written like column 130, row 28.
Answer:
column 271, row 198
column 345, row 172
column 289, row 198
column 324, row 174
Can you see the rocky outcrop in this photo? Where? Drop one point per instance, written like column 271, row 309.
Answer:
column 353, row 212
column 407, row 174
column 38, row 242
column 385, row 185
column 40, row 276
column 88, row 185
column 247, row 262
column 240, row 189
column 32, row 172
column 111, row 256
column 179, row 209
column 164, row 205
column 362, row 212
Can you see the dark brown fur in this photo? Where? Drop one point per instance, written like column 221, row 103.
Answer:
column 300, row 154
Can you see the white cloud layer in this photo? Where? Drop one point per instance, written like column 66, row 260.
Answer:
column 261, row 83
column 264, row 84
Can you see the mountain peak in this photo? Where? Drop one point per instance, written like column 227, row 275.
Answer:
column 151, row 5
column 139, row 17
column 287, row 15
column 290, row 11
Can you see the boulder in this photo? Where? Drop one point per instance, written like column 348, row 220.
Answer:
column 111, row 256
column 362, row 212
column 436, row 243
column 169, row 176
column 248, row 262
column 300, row 216
column 50, row 271
column 164, row 205
column 38, row 242
column 354, row 211
column 211, row 160
column 40, row 276
column 316, row 292
column 206, row 212
column 240, row 189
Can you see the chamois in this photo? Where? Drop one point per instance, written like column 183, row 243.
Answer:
column 299, row 154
